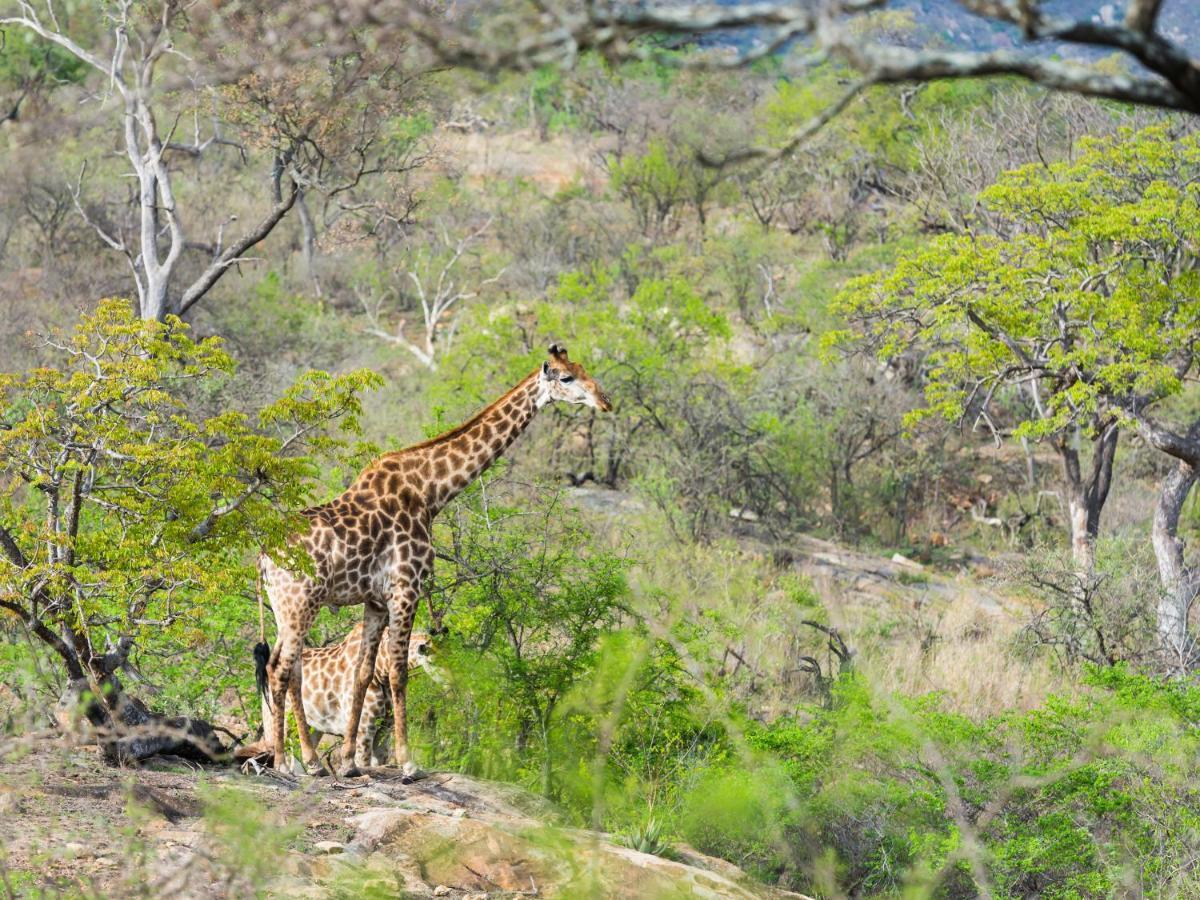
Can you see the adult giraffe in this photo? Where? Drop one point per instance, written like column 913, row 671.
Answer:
column 373, row 545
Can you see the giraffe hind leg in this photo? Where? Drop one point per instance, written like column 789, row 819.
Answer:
column 373, row 704
column 293, row 619
column 280, row 679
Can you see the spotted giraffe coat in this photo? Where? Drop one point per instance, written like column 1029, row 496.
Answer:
column 372, row 545
column 326, row 691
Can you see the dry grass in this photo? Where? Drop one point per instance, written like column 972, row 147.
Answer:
column 973, row 656
column 911, row 634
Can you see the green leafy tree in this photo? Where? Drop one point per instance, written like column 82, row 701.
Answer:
column 660, row 352
column 668, row 176
column 653, row 185
column 1080, row 312
column 130, row 495
column 530, row 603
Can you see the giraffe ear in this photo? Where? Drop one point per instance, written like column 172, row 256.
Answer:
column 558, row 351
column 548, row 373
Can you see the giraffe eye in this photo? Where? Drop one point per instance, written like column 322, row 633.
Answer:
column 567, row 379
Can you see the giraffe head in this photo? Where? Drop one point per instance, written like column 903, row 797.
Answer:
column 561, row 379
column 421, row 646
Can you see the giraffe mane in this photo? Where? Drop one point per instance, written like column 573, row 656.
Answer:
column 458, row 430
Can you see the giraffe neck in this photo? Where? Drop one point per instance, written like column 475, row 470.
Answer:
column 468, row 450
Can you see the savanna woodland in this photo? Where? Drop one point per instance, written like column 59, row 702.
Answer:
column 828, row 527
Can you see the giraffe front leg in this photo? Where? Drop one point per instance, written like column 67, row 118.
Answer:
column 374, row 621
column 308, row 747
column 400, row 617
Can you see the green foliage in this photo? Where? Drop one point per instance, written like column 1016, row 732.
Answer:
column 1067, row 801
column 277, row 324
column 1086, row 293
column 527, row 604
column 554, row 685
column 550, row 101
column 653, row 184
column 127, row 510
column 659, row 181
column 737, row 814
column 650, row 837
column 29, row 63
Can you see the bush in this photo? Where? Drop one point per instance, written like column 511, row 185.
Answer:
column 132, row 496
column 1076, row 799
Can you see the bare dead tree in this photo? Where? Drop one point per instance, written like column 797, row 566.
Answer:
column 138, row 57
column 439, row 287
column 129, row 61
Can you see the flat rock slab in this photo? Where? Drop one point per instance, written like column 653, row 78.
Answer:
column 69, row 823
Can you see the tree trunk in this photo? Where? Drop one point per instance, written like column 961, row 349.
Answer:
column 308, row 244
column 126, row 729
column 1086, row 495
column 547, row 768
column 1083, row 541
column 1180, row 582
column 154, row 302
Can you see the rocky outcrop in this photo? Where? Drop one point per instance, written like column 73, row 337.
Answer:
column 70, row 823
column 450, row 835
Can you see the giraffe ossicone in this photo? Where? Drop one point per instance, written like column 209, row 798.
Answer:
column 372, row 546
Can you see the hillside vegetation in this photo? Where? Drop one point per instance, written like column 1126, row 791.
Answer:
column 875, row 582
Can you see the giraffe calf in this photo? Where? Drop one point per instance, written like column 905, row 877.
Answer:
column 328, row 688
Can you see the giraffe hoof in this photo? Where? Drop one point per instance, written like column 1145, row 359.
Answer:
column 411, row 773
column 351, row 771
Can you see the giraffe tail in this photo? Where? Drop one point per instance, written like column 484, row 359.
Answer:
column 262, row 650
column 262, row 656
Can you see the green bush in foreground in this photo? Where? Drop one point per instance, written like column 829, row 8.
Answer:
column 1085, row 798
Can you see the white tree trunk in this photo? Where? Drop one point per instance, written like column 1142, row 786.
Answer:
column 1083, row 544
column 1180, row 583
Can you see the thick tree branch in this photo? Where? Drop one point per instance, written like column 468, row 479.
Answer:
column 232, row 254
column 205, row 526
column 559, row 35
column 1184, row 447
column 11, row 549
column 899, row 64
